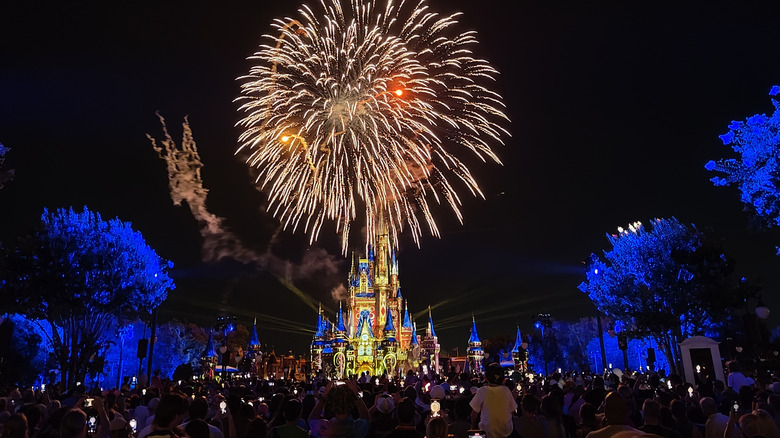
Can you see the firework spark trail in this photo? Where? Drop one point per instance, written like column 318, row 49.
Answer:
column 186, row 185
column 367, row 108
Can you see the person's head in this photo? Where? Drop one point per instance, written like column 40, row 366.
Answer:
column 588, row 413
column 197, row 428
column 437, row 428
column 462, row 408
column 385, row 404
column 341, row 400
column 550, row 407
column 172, row 408
column 291, row 409
column 258, row 428
column 199, row 408
column 405, row 411
column 530, row 403
column 766, row 424
column 734, row 366
column 651, row 411
column 74, row 424
column 708, row 406
column 494, row 374
column 615, row 409
column 16, row 427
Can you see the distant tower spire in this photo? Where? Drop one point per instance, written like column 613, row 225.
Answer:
column 407, row 324
column 389, row 327
column 255, row 341
column 340, row 320
column 414, row 333
column 474, row 338
column 431, row 332
column 518, row 341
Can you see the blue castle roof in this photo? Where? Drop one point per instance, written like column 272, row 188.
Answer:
column 407, row 321
column 430, row 323
column 389, row 325
column 474, row 338
column 518, row 341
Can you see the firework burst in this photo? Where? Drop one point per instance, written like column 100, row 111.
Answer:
column 358, row 108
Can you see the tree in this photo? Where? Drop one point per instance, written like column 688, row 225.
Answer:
column 78, row 274
column 756, row 172
column 667, row 282
column 5, row 174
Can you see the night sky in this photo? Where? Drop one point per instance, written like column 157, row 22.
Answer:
column 615, row 109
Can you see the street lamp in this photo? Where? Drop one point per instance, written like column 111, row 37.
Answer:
column 225, row 324
column 544, row 321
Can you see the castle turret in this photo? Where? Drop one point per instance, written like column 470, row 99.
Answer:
column 430, row 344
column 518, row 352
column 474, row 352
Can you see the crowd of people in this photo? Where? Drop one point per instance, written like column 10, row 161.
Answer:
column 493, row 405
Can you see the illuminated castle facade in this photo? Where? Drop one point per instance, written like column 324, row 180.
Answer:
column 373, row 332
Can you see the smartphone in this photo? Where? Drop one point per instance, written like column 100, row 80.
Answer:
column 92, row 424
column 735, row 407
column 143, row 391
column 133, row 424
column 223, row 406
column 476, row 433
column 87, row 403
column 43, row 387
column 435, row 408
column 339, row 382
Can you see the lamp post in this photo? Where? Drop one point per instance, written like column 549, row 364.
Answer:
column 544, row 321
column 225, row 324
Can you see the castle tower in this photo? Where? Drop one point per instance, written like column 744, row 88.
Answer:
column 430, row 344
column 475, row 355
column 372, row 331
column 519, row 354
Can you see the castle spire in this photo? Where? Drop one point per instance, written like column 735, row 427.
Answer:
column 518, row 341
column 431, row 333
column 389, row 327
column 474, row 338
column 414, row 334
column 340, row 320
column 320, row 323
column 254, row 342
column 407, row 324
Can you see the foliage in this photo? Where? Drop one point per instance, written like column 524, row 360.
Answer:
column 21, row 343
column 178, row 344
column 756, row 172
column 670, row 281
column 79, row 273
column 5, row 174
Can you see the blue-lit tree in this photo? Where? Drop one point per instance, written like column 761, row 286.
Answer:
column 756, row 171
column 5, row 173
column 669, row 281
column 78, row 274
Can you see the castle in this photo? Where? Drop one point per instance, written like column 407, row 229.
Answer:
column 373, row 332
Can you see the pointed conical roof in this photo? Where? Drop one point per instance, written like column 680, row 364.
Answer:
column 210, row 352
column 518, row 341
column 414, row 334
column 394, row 265
column 407, row 321
column 254, row 342
column 474, row 338
column 340, row 320
column 389, row 326
column 364, row 326
column 321, row 326
column 430, row 323
column 370, row 253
